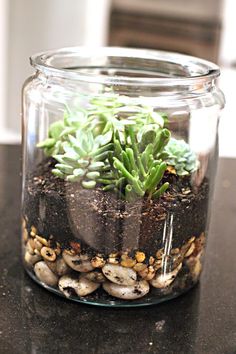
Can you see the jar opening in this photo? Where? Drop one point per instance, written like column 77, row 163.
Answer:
column 125, row 66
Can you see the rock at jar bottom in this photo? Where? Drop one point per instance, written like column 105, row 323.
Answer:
column 125, row 275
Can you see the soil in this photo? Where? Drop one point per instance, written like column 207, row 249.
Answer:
column 104, row 223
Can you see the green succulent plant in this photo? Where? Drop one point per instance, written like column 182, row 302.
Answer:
column 135, row 170
column 84, row 157
column 121, row 147
column 110, row 112
column 178, row 154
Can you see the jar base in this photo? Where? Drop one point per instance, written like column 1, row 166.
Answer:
column 102, row 299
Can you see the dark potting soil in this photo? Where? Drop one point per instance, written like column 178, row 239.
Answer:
column 104, row 223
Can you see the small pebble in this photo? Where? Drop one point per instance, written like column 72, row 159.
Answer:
column 140, row 256
column 42, row 240
column 78, row 262
column 86, row 286
column 59, row 267
column 131, row 292
column 38, row 245
column 161, row 281
column 195, row 267
column 67, row 285
column 192, row 239
column 62, row 267
column 113, row 260
column 158, row 264
column 44, row 274
column 97, row 262
column 80, row 286
column 37, row 252
column 190, row 250
column 119, row 275
column 151, row 260
column 151, row 273
column 31, row 259
column 159, row 253
column 25, row 234
column 29, row 247
column 76, row 247
column 70, row 251
column 31, row 243
column 139, row 267
column 33, row 231
column 175, row 251
column 127, row 261
column 48, row 254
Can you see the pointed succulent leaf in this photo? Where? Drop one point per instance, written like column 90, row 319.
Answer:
column 76, row 145
column 105, row 148
column 96, row 166
column 161, row 190
column 86, row 140
column 109, row 187
column 93, row 175
column 59, row 158
column 47, row 143
column 73, row 178
column 103, row 139
column 67, row 131
column 58, row 173
column 55, row 129
column 67, row 169
column 88, row 184
column 78, row 172
column 83, row 163
column 157, row 118
column 101, row 157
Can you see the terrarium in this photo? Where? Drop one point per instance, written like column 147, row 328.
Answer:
column 119, row 159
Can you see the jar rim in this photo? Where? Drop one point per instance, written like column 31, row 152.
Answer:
column 58, row 63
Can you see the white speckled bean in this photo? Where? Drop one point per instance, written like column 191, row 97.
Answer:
column 161, row 281
column 44, row 274
column 86, row 287
column 81, row 286
column 131, row 292
column 119, row 275
column 77, row 262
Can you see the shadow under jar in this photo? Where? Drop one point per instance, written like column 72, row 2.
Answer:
column 120, row 151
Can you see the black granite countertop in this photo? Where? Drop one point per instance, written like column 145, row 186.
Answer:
column 32, row 320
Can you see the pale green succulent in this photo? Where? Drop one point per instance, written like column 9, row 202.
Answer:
column 84, row 158
column 178, row 154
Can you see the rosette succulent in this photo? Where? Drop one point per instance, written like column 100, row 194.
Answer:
column 179, row 155
column 83, row 158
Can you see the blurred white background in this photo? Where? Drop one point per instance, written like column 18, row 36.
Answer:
column 30, row 26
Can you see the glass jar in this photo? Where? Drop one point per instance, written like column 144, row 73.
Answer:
column 119, row 158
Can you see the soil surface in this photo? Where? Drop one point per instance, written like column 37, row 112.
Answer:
column 104, row 223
